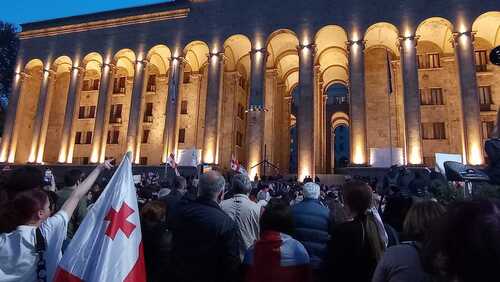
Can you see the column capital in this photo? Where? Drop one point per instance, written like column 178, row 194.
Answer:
column 456, row 35
column 310, row 46
column 413, row 39
column 51, row 73
column 143, row 62
column 219, row 55
column 24, row 75
column 111, row 66
column 263, row 51
column 181, row 59
column 360, row 42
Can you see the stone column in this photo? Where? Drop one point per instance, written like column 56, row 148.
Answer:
column 464, row 52
column 408, row 49
column 135, row 109
column 324, row 125
column 10, row 119
column 306, row 112
column 105, row 89
column 171, row 119
column 212, row 120
column 318, row 154
column 69, row 114
column 256, row 111
column 285, row 167
column 41, row 115
column 357, row 107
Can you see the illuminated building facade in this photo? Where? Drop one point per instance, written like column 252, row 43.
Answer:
column 218, row 76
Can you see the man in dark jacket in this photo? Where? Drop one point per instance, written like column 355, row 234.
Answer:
column 179, row 188
column 205, row 239
column 312, row 221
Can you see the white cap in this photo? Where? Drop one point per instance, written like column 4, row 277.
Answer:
column 311, row 190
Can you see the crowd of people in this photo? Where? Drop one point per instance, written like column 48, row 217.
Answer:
column 230, row 228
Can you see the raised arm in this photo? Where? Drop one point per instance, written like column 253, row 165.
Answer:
column 81, row 190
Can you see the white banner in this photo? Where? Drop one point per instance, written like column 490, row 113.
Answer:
column 381, row 157
column 188, row 157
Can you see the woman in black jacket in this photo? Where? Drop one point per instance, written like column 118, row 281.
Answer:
column 355, row 246
column 157, row 240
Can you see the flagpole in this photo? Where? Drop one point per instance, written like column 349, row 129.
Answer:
column 389, row 94
column 390, row 129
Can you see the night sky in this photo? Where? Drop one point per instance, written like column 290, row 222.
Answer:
column 23, row 11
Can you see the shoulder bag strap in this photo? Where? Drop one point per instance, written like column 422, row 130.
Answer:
column 40, row 247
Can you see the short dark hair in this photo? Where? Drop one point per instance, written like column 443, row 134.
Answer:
column 71, row 177
column 420, row 218
column 277, row 217
column 154, row 212
column 21, row 208
column 22, row 179
column 358, row 196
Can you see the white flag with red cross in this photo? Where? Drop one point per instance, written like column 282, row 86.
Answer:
column 108, row 243
column 235, row 165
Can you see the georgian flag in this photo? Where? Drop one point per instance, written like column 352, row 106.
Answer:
column 108, row 243
column 171, row 162
column 235, row 165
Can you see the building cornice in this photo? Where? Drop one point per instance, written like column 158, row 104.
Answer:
column 108, row 23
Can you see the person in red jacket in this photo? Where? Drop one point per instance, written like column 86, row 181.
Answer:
column 277, row 256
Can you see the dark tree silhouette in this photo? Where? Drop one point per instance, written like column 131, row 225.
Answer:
column 9, row 44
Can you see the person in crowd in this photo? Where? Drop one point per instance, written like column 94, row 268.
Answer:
column 465, row 245
column 179, row 188
column 205, row 239
column 276, row 256
column 26, row 223
column 244, row 212
column 404, row 262
column 71, row 181
column 312, row 222
column 396, row 208
column 356, row 245
column 157, row 241
column 263, row 197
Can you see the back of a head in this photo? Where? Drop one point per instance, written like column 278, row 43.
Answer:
column 311, row 190
column 468, row 238
column 420, row 219
column 357, row 196
column 21, row 208
column 71, row 177
column 180, row 183
column 154, row 212
column 210, row 185
column 277, row 217
column 241, row 184
column 22, row 179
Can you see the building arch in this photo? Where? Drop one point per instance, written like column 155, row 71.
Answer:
column 487, row 26
column 237, row 47
column 438, row 31
column 196, row 54
column 159, row 57
column 382, row 34
column 279, row 42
